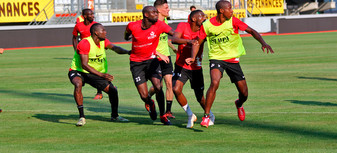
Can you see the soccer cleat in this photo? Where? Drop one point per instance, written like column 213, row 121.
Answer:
column 164, row 120
column 147, row 106
column 205, row 122
column 81, row 122
column 98, row 96
column 169, row 115
column 191, row 120
column 211, row 120
column 152, row 111
column 241, row 111
column 119, row 119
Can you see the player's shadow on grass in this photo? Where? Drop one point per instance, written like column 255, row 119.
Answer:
column 273, row 127
column 69, row 119
column 56, row 95
column 141, row 116
column 317, row 78
column 63, row 58
column 315, row 103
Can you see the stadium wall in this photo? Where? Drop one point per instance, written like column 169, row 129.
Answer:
column 58, row 35
column 53, row 35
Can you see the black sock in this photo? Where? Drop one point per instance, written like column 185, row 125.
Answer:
column 206, row 115
column 80, row 110
column 168, row 105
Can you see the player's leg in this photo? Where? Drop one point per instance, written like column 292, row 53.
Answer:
column 236, row 75
column 77, row 80
column 160, row 100
column 143, row 92
column 111, row 90
column 243, row 92
column 216, row 74
column 167, row 72
column 98, row 95
column 169, row 95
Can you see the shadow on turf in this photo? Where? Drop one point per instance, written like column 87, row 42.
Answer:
column 316, row 103
column 63, row 58
column 317, row 78
column 299, row 131
column 72, row 119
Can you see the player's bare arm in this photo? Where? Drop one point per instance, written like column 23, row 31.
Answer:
column 127, row 35
column 85, row 66
column 176, row 39
column 163, row 57
column 258, row 37
column 117, row 49
column 194, row 52
column 74, row 42
column 172, row 47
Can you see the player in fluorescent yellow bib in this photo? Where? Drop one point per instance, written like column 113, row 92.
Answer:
column 89, row 65
column 225, row 49
column 163, row 48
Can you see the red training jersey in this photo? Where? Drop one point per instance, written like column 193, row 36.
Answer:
column 237, row 25
column 145, row 42
column 83, row 29
column 184, row 50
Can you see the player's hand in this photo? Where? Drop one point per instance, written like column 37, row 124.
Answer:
column 108, row 77
column 192, row 42
column 189, row 60
column 165, row 59
column 268, row 48
column 1, row 50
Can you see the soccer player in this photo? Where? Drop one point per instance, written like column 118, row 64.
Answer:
column 192, row 8
column 163, row 48
column 225, row 48
column 184, row 72
column 83, row 28
column 89, row 65
column 144, row 64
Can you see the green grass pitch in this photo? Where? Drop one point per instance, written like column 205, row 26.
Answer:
column 292, row 104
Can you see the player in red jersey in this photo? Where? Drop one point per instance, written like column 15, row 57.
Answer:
column 89, row 65
column 183, row 72
column 225, row 48
column 83, row 28
column 143, row 62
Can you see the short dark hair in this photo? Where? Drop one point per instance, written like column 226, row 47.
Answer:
column 193, row 13
column 220, row 4
column 192, row 7
column 159, row 2
column 84, row 11
column 94, row 27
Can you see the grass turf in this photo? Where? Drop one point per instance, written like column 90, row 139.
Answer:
column 291, row 105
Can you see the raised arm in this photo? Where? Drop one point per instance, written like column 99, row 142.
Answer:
column 258, row 37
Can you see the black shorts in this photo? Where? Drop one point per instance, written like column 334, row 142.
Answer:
column 143, row 71
column 196, row 77
column 92, row 79
column 233, row 70
column 166, row 68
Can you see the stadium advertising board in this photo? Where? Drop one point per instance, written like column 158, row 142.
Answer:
column 238, row 13
column 22, row 10
column 126, row 17
column 265, row 6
